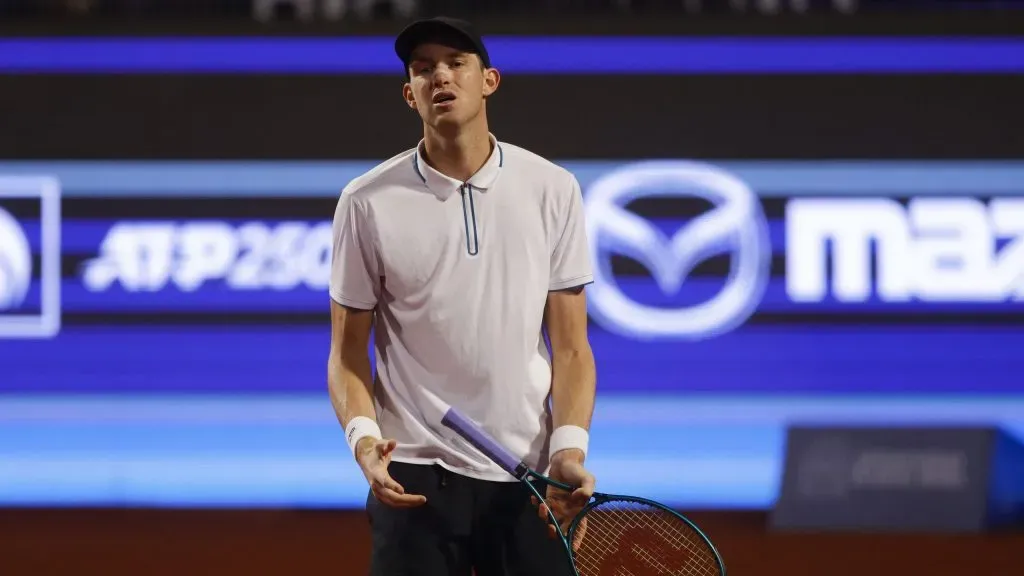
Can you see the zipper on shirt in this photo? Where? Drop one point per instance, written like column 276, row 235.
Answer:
column 469, row 217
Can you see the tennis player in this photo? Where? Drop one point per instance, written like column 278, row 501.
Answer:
column 461, row 253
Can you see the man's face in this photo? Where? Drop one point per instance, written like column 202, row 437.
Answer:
column 448, row 86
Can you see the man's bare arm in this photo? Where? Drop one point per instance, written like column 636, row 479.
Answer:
column 349, row 381
column 574, row 375
column 349, row 374
column 573, row 391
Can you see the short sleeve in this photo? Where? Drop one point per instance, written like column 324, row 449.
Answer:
column 570, row 258
column 355, row 279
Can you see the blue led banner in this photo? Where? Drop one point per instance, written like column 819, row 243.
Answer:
column 830, row 276
column 520, row 55
column 246, row 359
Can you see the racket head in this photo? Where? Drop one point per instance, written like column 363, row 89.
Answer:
column 630, row 535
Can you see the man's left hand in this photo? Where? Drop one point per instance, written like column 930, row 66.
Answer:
column 567, row 468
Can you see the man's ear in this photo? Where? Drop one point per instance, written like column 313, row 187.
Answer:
column 491, row 80
column 408, row 95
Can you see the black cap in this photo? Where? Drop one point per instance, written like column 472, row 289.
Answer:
column 449, row 31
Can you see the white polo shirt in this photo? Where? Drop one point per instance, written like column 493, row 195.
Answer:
column 459, row 274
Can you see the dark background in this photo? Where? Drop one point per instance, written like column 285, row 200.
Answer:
column 351, row 117
column 573, row 116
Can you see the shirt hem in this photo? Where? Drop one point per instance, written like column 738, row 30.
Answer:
column 572, row 282
column 477, row 475
column 351, row 303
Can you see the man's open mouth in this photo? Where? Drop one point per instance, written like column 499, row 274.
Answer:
column 443, row 97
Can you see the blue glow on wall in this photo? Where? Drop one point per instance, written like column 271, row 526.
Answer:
column 520, row 55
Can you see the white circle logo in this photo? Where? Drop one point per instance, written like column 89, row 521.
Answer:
column 15, row 263
column 735, row 225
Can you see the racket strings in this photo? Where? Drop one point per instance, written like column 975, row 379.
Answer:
column 623, row 538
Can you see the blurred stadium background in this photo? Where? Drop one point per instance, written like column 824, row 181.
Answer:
column 837, row 388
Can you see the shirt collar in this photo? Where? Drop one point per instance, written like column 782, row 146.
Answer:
column 443, row 186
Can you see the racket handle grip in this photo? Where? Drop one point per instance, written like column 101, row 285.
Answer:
column 484, row 442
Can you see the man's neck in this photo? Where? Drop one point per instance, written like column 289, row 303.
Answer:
column 460, row 155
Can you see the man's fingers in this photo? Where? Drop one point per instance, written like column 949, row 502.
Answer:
column 586, row 488
column 385, row 448
column 384, row 487
column 396, row 500
column 542, row 512
column 385, row 481
column 392, row 493
column 583, row 494
column 563, row 519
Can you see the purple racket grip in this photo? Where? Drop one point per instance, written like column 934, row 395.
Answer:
column 482, row 440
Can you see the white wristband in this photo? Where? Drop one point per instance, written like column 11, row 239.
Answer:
column 358, row 428
column 569, row 437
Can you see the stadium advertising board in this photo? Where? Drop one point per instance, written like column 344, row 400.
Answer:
column 754, row 276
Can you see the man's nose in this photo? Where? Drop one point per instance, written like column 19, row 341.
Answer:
column 442, row 75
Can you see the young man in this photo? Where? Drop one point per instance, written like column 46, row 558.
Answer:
column 460, row 253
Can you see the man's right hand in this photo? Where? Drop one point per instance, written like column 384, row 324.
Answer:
column 373, row 457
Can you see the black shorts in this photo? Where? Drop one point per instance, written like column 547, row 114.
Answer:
column 467, row 526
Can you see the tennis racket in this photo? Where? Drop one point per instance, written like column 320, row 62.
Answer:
column 613, row 535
